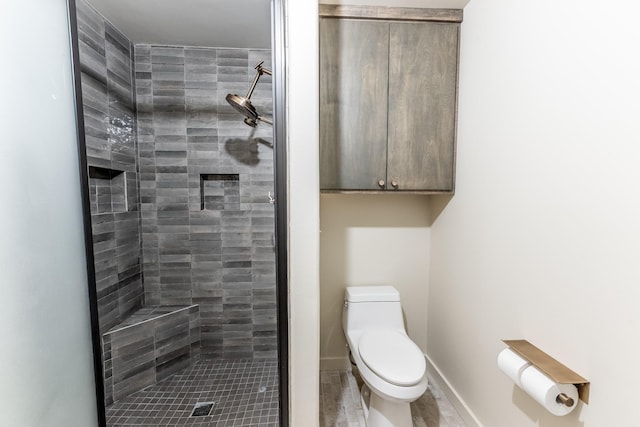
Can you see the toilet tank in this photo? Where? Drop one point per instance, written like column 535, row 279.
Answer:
column 372, row 307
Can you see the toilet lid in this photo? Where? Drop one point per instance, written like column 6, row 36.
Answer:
column 392, row 356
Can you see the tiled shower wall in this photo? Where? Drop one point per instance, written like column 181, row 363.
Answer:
column 189, row 183
column 106, row 59
column 207, row 224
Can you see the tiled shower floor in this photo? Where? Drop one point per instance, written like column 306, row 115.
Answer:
column 245, row 393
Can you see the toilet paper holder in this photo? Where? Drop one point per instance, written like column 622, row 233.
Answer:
column 564, row 399
column 552, row 368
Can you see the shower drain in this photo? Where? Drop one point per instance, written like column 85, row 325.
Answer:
column 202, row 409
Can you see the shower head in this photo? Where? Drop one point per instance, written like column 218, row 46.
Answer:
column 242, row 104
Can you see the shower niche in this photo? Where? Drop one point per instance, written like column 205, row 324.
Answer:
column 107, row 190
column 219, row 192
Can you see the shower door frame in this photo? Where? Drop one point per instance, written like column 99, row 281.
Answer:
column 279, row 79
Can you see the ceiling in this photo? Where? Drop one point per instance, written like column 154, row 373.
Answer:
column 215, row 23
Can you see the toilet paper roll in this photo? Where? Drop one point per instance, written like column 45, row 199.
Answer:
column 545, row 391
column 512, row 364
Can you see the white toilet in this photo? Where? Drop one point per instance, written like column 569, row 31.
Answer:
column 392, row 366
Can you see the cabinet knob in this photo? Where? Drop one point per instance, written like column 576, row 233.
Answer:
column 394, row 184
column 381, row 183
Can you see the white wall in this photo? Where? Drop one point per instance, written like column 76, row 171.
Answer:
column 372, row 240
column 542, row 239
column 302, row 128
column 46, row 369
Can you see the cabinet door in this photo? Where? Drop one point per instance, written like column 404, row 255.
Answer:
column 353, row 103
column 422, row 105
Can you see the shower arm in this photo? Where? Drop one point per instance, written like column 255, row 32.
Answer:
column 260, row 72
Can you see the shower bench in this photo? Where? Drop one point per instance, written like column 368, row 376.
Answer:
column 150, row 345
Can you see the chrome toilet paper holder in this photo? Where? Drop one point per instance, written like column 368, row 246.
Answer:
column 552, row 368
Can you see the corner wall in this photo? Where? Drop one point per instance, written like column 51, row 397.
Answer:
column 303, row 210
column 541, row 240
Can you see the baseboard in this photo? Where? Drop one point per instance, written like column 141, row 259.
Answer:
column 463, row 410
column 334, row 363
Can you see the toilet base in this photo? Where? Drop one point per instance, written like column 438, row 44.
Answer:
column 379, row 412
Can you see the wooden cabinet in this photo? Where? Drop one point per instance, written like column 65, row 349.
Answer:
column 387, row 104
column 354, row 69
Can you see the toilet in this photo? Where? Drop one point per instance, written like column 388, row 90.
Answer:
column 392, row 366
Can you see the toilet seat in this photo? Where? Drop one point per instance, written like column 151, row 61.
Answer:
column 392, row 356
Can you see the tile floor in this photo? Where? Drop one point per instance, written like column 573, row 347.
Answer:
column 340, row 403
column 244, row 392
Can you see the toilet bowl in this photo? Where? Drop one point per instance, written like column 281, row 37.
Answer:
column 392, row 366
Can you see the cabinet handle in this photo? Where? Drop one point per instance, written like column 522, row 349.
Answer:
column 381, row 183
column 394, row 184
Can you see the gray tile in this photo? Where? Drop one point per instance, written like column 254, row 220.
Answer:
column 245, row 393
column 164, row 240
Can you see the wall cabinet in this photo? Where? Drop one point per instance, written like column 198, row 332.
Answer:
column 387, row 104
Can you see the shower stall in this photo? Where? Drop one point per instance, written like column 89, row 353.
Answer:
column 181, row 196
